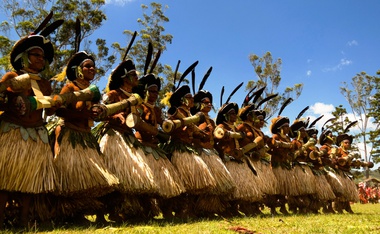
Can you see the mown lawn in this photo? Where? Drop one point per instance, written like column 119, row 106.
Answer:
column 365, row 220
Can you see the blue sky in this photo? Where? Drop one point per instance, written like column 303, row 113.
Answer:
column 321, row 43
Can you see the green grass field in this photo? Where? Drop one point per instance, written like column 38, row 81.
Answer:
column 365, row 220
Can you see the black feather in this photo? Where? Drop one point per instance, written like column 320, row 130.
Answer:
column 193, row 80
column 221, row 96
column 78, row 35
column 248, row 97
column 257, row 94
column 43, row 23
column 148, row 57
column 188, row 70
column 204, row 79
column 156, row 58
column 49, row 29
column 175, row 74
column 287, row 102
column 129, row 45
column 266, row 99
column 331, row 119
column 234, row 91
column 349, row 126
column 302, row 112
column 315, row 121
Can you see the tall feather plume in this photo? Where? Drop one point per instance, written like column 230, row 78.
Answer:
column 43, row 23
column 129, row 45
column 257, row 94
column 315, row 121
column 204, row 79
column 188, row 70
column 234, row 91
column 175, row 74
column 156, row 58
column 53, row 26
column 248, row 97
column 349, row 126
column 221, row 96
column 193, row 80
column 329, row 120
column 148, row 57
column 286, row 103
column 78, row 35
column 266, row 99
column 302, row 112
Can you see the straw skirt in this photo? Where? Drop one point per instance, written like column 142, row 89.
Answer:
column 26, row 160
column 286, row 180
column 305, row 179
column 323, row 188
column 350, row 191
column 165, row 175
column 335, row 181
column 193, row 171
column 128, row 163
column 81, row 169
column 224, row 181
column 266, row 179
column 246, row 183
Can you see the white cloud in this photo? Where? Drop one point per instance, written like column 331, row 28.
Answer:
column 343, row 62
column 322, row 108
column 308, row 73
column 352, row 43
column 119, row 2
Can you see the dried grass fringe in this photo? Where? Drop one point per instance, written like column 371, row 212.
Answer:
column 335, row 182
column 244, row 178
column 130, row 206
column 129, row 165
column 210, row 204
column 82, row 172
column 166, row 177
column 224, row 181
column 25, row 166
column 268, row 182
column 305, row 179
column 323, row 189
column 194, row 173
column 68, row 206
column 350, row 191
column 286, row 181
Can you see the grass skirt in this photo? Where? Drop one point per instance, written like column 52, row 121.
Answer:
column 224, row 181
column 166, row 176
column 305, row 179
column 287, row 183
column 246, row 188
column 193, row 171
column 128, row 164
column 26, row 166
column 336, row 183
column 266, row 179
column 210, row 204
column 324, row 191
column 350, row 191
column 81, row 171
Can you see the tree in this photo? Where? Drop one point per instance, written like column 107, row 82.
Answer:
column 25, row 16
column 268, row 73
column 361, row 87
column 152, row 31
column 340, row 123
column 374, row 112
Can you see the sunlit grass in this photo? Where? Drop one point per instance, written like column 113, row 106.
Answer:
column 365, row 220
